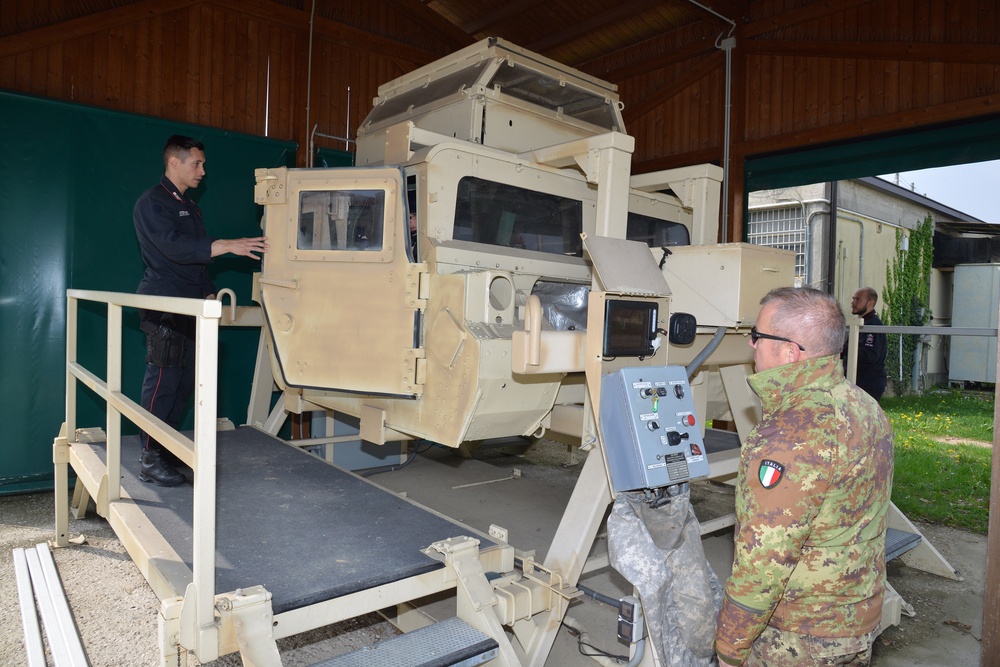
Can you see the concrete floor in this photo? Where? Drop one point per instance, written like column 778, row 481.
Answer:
column 116, row 611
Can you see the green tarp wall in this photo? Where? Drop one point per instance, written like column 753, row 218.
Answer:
column 71, row 176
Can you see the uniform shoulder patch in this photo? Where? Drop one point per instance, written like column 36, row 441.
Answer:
column 770, row 473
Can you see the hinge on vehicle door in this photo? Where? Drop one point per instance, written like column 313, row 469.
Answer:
column 417, row 285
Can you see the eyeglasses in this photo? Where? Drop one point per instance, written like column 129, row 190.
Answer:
column 756, row 336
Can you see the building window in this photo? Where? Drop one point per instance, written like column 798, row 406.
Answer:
column 783, row 228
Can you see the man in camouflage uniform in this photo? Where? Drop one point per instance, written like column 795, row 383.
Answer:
column 812, row 494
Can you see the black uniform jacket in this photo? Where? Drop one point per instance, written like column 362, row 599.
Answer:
column 174, row 244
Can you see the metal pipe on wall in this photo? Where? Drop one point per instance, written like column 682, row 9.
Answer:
column 309, row 69
column 831, row 239
column 727, row 45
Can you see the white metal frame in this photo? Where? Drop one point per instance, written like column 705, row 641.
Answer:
column 201, row 458
column 188, row 612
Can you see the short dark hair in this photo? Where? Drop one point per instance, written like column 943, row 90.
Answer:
column 810, row 317
column 870, row 294
column 180, row 145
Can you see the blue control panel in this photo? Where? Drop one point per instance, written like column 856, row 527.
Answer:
column 651, row 433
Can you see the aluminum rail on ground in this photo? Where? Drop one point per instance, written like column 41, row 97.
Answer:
column 64, row 640
column 33, row 646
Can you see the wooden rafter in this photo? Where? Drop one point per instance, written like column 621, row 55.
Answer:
column 809, row 12
column 421, row 14
column 506, row 11
column 892, row 122
column 980, row 54
column 647, row 65
column 577, row 30
column 673, row 87
column 263, row 9
column 88, row 25
column 736, row 11
column 705, row 155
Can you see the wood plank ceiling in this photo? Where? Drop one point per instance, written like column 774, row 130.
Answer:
column 804, row 72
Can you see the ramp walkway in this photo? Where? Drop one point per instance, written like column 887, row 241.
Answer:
column 302, row 528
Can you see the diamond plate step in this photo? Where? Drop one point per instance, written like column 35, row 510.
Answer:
column 898, row 542
column 452, row 642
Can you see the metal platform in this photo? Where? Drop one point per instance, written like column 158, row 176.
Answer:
column 305, row 530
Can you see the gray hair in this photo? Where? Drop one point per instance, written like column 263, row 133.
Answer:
column 810, row 317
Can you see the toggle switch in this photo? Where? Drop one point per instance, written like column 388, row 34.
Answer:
column 674, row 438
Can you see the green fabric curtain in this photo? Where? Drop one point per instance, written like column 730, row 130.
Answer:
column 72, row 175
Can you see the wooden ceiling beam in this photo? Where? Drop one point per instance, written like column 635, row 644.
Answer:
column 506, row 11
column 719, row 12
column 980, row 54
column 810, row 11
column 686, row 159
column 674, row 87
column 645, row 66
column 262, row 9
column 858, row 130
column 586, row 26
column 332, row 29
column 421, row 14
column 87, row 25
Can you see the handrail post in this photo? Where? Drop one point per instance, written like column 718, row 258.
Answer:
column 72, row 310
column 205, row 417
column 60, row 449
column 114, row 416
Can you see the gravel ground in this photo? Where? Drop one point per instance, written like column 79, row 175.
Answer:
column 106, row 590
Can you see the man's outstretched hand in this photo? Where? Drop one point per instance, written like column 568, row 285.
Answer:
column 245, row 247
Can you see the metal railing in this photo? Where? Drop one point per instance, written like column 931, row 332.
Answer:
column 199, row 453
column 856, row 327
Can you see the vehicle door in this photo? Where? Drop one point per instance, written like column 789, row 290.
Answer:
column 339, row 294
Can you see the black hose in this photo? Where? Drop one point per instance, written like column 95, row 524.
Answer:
column 600, row 597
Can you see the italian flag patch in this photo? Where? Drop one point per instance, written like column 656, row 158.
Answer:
column 770, row 473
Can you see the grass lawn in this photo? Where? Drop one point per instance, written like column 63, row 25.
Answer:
column 943, row 455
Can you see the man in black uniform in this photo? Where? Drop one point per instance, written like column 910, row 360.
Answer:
column 176, row 250
column 871, row 346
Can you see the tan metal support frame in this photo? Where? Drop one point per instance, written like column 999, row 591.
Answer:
column 475, row 594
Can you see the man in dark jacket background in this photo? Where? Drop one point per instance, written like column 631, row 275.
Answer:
column 871, row 346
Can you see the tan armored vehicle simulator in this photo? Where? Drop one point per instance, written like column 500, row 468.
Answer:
column 490, row 268
column 472, row 324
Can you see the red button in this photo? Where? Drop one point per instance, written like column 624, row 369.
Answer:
column 688, row 420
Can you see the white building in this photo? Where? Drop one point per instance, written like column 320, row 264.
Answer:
column 856, row 251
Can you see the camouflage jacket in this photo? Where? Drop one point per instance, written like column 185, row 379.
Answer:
column 812, row 494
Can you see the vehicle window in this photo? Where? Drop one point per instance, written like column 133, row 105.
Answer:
column 518, row 81
column 656, row 232
column 341, row 220
column 505, row 215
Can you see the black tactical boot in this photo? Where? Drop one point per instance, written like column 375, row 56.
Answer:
column 156, row 470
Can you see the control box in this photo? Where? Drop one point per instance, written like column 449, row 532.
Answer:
column 651, row 433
